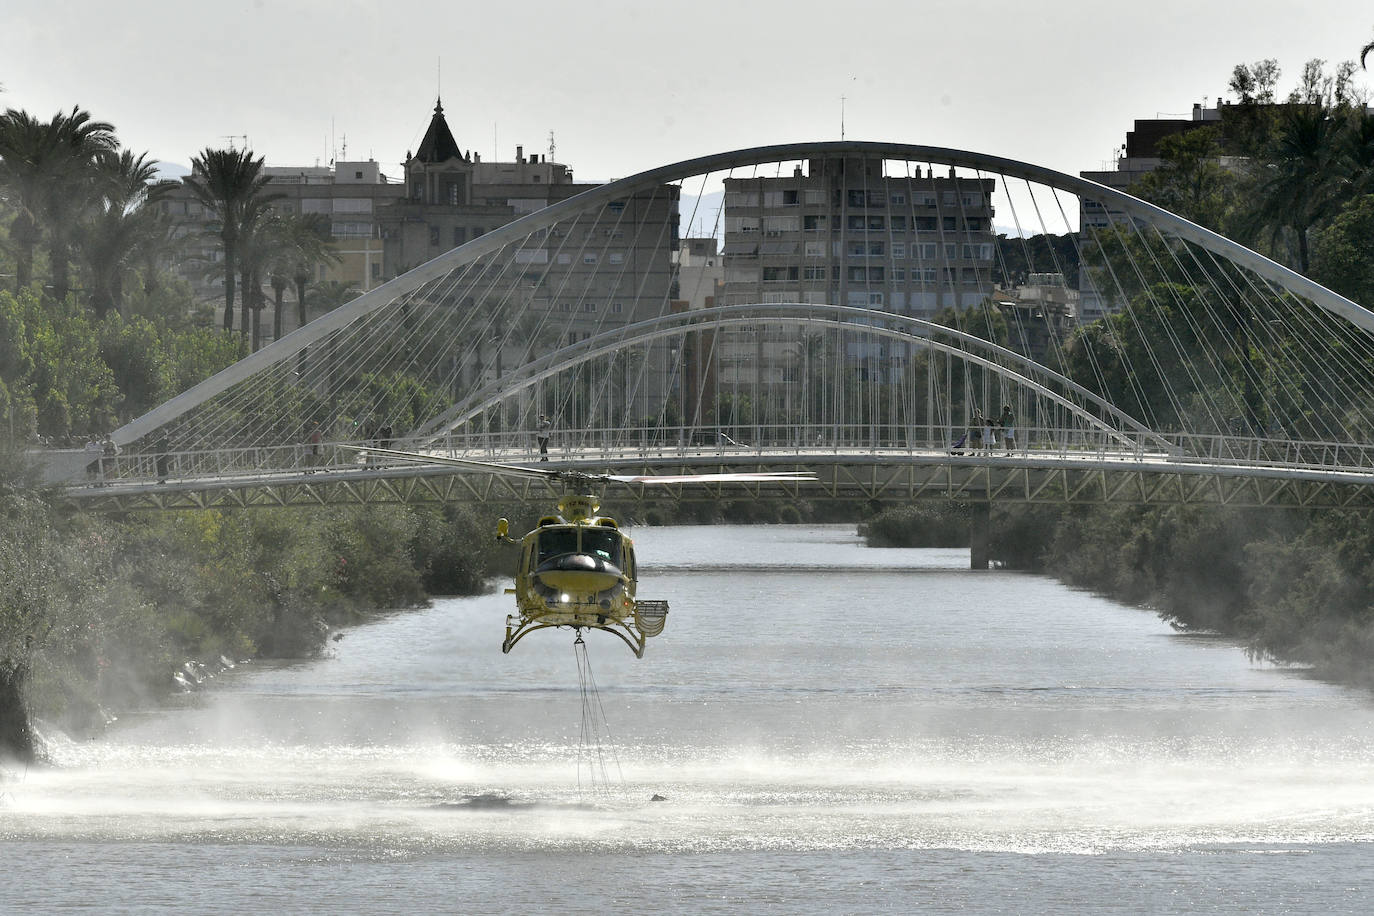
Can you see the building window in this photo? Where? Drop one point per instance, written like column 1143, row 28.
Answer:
column 857, row 198
column 589, row 257
column 876, row 224
column 564, row 258
column 616, row 206
column 898, row 223
column 898, row 250
column 617, row 308
column 617, row 257
column 458, row 234
column 813, row 223
column 898, row 198
column 589, row 306
column 814, row 273
column 434, row 235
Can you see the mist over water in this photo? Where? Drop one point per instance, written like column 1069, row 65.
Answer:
column 832, row 727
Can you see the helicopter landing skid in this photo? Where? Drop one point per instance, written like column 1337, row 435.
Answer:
column 516, row 632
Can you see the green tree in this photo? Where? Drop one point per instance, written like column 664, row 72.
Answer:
column 1343, row 252
column 228, row 181
column 1191, row 181
column 46, row 167
column 123, row 225
column 1294, row 184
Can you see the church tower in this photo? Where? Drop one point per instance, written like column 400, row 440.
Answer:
column 439, row 173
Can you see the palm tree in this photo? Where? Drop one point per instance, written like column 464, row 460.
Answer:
column 124, row 225
column 255, row 248
column 1295, row 185
column 295, row 246
column 310, row 247
column 47, row 168
column 227, row 181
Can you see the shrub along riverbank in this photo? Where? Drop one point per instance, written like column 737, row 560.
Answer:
column 98, row 613
column 1293, row 586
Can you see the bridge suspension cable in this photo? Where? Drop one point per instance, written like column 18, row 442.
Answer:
column 886, row 296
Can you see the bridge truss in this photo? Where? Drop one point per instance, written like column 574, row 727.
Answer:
column 859, row 310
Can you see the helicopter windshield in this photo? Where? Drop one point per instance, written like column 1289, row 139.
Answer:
column 603, row 543
column 554, row 542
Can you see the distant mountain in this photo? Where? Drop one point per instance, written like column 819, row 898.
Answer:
column 172, row 170
column 701, row 217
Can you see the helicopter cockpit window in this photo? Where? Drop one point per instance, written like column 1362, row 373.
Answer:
column 555, row 542
column 603, row 543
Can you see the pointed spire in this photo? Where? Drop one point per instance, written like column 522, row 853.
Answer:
column 438, row 144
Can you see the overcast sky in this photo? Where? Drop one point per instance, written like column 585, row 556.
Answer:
column 628, row 86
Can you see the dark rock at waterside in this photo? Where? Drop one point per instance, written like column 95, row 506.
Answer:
column 295, row 634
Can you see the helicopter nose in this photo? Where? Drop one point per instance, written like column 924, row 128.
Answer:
column 579, row 574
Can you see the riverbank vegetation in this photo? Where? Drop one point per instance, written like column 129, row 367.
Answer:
column 99, row 614
column 1292, row 586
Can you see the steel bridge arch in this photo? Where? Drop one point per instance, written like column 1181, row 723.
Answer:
column 595, row 198
column 910, row 330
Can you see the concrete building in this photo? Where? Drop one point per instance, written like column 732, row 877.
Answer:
column 1040, row 314
column 839, row 231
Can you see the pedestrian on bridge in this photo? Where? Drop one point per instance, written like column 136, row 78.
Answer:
column 162, row 459
column 1008, row 423
column 975, row 432
column 541, row 433
column 315, row 438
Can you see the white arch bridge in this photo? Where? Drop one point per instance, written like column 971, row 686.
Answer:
column 856, row 309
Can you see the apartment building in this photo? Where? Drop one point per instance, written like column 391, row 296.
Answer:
column 840, row 231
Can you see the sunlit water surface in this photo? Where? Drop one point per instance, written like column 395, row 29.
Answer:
column 834, row 729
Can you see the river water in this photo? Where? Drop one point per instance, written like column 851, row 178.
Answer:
column 833, row 729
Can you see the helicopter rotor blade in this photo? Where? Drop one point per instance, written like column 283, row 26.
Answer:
column 736, row 477
column 512, row 470
column 470, row 464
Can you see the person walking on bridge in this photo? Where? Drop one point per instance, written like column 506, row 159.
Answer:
column 1008, row 423
column 541, row 433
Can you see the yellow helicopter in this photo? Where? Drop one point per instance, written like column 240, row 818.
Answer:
column 577, row 568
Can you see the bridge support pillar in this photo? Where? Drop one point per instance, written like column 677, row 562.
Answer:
column 979, row 531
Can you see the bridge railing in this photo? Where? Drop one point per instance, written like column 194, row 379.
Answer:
column 786, row 444
column 1271, row 452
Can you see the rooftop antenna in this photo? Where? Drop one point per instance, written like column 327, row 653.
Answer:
column 232, row 137
column 553, row 155
column 842, row 98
